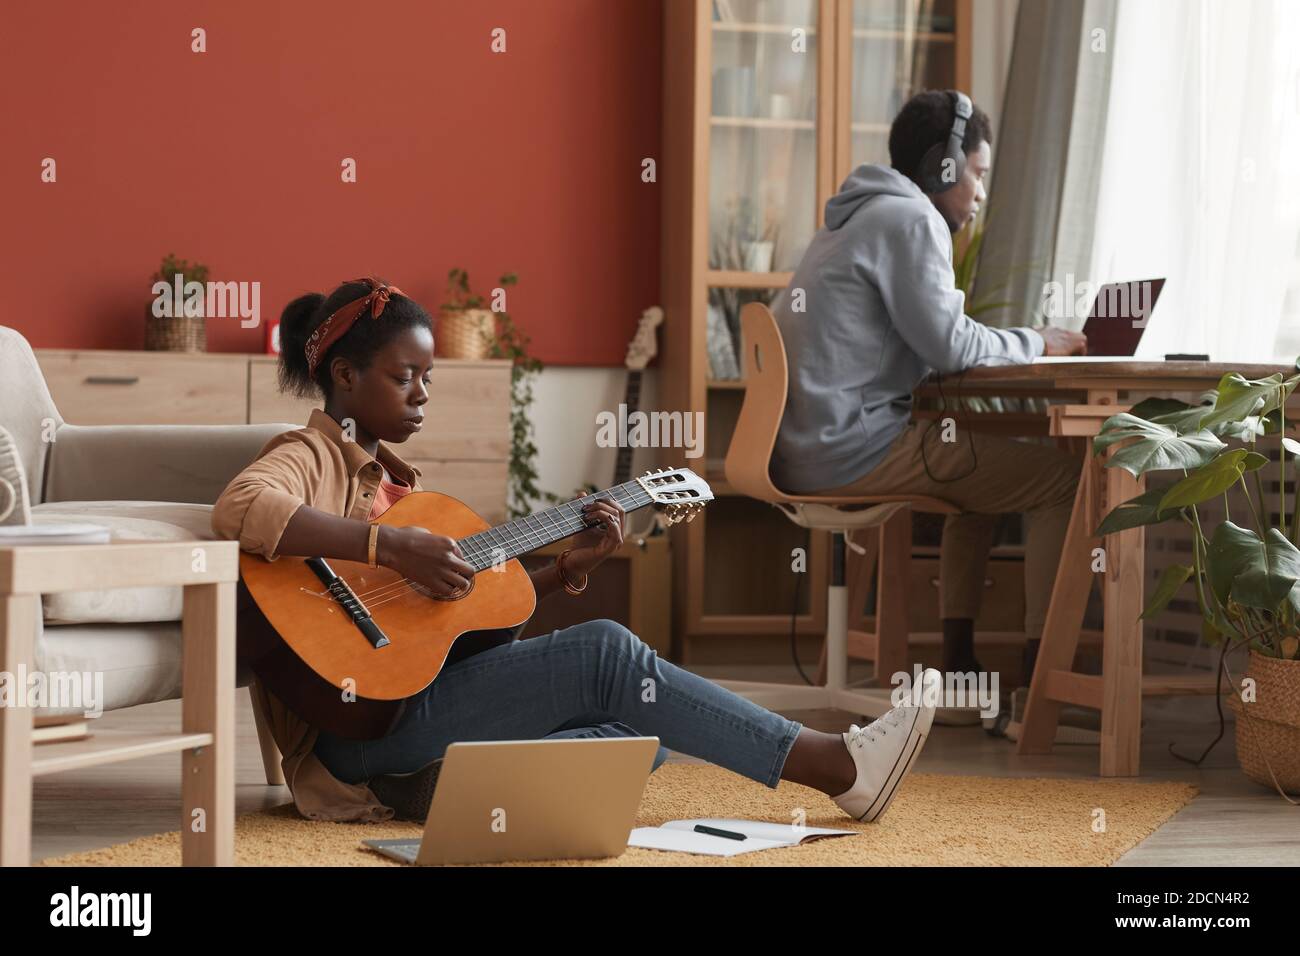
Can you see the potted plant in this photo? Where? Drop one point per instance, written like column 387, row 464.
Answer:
column 174, row 330
column 484, row 333
column 1245, row 575
column 465, row 328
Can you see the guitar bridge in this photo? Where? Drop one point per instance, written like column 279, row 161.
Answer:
column 346, row 599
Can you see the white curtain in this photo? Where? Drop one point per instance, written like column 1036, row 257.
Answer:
column 1200, row 179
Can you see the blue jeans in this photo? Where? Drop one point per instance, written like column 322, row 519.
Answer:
column 596, row 679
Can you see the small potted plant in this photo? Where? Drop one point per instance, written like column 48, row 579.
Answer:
column 484, row 333
column 175, row 330
column 465, row 328
column 1246, row 576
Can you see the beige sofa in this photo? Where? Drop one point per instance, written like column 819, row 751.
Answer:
column 143, row 482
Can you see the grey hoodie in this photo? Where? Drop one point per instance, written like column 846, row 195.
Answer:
column 881, row 312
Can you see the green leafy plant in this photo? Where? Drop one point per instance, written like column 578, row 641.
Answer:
column 189, row 272
column 743, row 226
column 1246, row 576
column 965, row 266
column 966, row 249
column 459, row 294
column 509, row 342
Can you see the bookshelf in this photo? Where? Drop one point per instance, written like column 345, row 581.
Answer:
column 768, row 106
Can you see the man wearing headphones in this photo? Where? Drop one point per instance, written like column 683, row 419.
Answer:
column 871, row 312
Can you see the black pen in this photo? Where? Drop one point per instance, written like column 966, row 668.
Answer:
column 729, row 834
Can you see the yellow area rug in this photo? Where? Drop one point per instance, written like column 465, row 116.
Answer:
column 936, row 820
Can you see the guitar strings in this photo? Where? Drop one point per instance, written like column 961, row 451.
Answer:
column 394, row 590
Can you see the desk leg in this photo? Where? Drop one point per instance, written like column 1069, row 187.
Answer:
column 208, row 706
column 1121, row 695
column 1064, row 615
column 17, row 654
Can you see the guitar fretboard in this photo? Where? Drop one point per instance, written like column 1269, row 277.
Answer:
column 534, row 531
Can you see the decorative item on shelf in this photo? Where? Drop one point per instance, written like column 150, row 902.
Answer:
column 1246, row 579
column 504, row 340
column 272, row 340
column 174, row 321
column 465, row 328
column 723, row 365
column 734, row 93
column 749, row 243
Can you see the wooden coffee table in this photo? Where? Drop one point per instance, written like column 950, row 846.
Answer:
column 208, row 571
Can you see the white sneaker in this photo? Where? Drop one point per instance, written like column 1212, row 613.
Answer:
column 885, row 750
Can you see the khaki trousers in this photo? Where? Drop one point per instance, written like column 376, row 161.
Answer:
column 1004, row 476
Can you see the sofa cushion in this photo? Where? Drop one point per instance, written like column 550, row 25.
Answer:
column 126, row 521
column 136, row 663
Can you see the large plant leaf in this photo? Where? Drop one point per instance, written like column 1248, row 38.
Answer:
column 1183, row 421
column 1152, row 408
column 1157, row 447
column 1142, row 510
column 1211, row 480
column 1254, row 572
column 1240, row 397
column 1173, row 578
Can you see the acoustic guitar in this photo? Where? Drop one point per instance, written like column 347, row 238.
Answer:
column 343, row 645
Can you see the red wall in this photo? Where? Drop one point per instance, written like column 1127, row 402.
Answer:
column 528, row 161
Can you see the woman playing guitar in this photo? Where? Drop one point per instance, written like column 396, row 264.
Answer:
column 367, row 350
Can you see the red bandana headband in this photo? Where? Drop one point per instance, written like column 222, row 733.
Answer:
column 337, row 325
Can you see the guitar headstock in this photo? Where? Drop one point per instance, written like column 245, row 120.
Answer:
column 678, row 493
column 643, row 347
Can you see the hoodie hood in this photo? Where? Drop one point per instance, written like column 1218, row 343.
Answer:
column 864, row 183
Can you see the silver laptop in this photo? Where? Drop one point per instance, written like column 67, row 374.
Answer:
column 504, row 800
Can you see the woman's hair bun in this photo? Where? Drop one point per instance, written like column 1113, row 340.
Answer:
column 297, row 322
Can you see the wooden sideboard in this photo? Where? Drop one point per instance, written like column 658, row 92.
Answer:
column 464, row 451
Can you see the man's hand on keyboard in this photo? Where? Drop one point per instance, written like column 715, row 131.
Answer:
column 1062, row 342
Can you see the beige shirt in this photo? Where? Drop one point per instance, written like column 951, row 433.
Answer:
column 317, row 467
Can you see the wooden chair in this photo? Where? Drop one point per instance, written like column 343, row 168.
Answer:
column 750, row 451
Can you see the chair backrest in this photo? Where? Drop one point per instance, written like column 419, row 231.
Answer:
column 766, row 382
column 27, row 410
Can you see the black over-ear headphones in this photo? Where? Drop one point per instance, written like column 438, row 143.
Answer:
column 935, row 175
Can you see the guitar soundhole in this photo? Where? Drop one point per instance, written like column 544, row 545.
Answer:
column 453, row 596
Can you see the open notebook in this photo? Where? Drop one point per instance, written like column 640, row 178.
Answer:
column 680, row 835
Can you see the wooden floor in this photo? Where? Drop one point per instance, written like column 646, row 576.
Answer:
column 1232, row 822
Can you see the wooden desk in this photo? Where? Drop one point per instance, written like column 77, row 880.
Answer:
column 1093, row 391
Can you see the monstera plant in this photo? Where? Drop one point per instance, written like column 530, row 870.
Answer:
column 1246, row 572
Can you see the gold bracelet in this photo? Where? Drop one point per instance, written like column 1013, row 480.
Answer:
column 374, row 545
column 564, row 578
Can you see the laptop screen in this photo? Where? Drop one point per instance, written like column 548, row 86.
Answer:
column 1119, row 316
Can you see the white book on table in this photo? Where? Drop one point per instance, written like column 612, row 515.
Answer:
column 680, row 835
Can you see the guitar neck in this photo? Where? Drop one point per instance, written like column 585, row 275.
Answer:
column 631, row 399
column 490, row 547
